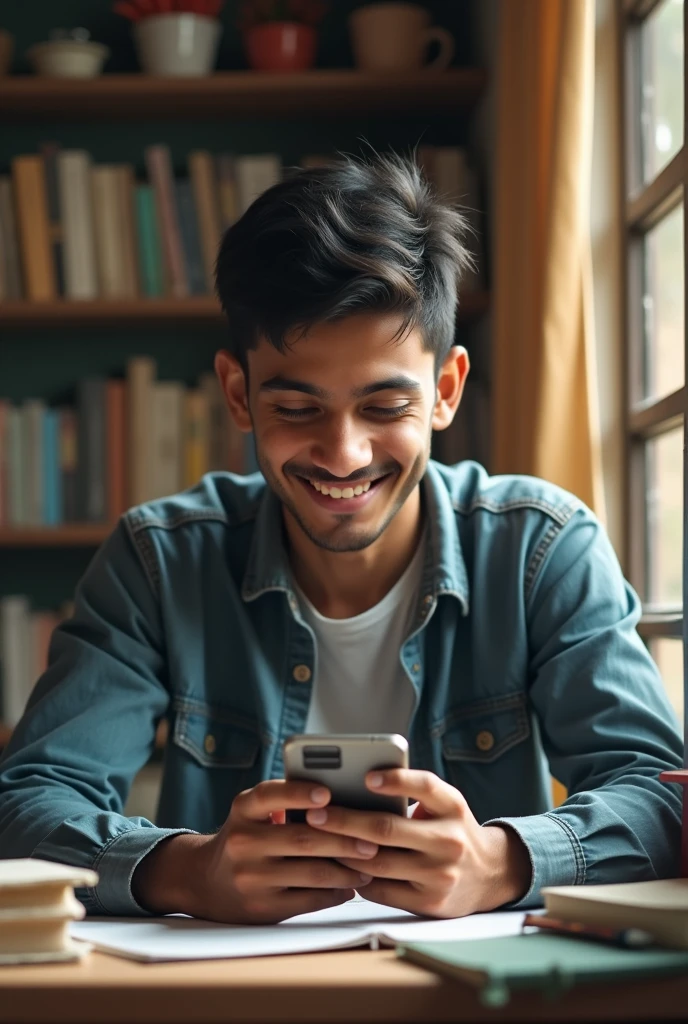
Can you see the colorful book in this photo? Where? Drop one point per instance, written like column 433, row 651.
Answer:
column 196, row 436
column 141, row 372
column 15, row 644
column 116, row 443
column 16, row 467
column 168, row 419
column 78, row 224
column 127, row 228
column 92, row 450
column 255, row 174
column 159, row 165
column 108, row 231
column 148, row 235
column 69, row 463
column 52, row 482
column 32, row 415
column 191, row 242
column 207, row 205
column 10, row 241
column 50, row 152
column 33, row 223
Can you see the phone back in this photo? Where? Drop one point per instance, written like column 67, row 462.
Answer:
column 341, row 762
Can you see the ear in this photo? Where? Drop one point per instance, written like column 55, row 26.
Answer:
column 233, row 382
column 450, row 386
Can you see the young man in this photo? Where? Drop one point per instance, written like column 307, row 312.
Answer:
column 355, row 587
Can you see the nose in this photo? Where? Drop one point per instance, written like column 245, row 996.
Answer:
column 341, row 447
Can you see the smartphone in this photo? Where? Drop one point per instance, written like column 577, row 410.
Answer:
column 341, row 763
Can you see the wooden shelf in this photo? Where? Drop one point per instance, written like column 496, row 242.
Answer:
column 201, row 310
column 73, row 535
column 241, row 93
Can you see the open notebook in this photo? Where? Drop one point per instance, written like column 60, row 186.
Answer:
column 356, row 923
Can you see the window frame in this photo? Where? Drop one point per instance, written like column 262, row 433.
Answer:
column 643, row 206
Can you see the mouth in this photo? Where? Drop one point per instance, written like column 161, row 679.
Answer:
column 345, row 498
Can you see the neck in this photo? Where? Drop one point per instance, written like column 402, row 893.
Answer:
column 341, row 584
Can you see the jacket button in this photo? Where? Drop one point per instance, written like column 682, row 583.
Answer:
column 302, row 673
column 484, row 740
column 209, row 744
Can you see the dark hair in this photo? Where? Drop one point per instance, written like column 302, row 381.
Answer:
column 328, row 242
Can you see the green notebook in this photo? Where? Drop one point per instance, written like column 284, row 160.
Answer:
column 551, row 963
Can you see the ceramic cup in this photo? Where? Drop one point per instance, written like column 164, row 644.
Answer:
column 177, row 44
column 395, row 37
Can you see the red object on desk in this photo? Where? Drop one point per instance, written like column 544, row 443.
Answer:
column 680, row 775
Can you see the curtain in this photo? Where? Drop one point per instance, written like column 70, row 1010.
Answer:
column 544, row 394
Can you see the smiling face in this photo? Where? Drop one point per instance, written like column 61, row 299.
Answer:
column 343, row 421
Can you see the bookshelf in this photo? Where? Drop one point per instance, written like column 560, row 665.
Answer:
column 344, row 92
column 201, row 310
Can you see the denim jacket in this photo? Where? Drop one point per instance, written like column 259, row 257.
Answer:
column 523, row 656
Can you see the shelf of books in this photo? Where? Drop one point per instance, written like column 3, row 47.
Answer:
column 332, row 92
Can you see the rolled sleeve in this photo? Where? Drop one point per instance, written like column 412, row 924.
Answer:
column 116, row 864
column 556, row 855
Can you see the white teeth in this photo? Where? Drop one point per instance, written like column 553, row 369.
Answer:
column 358, row 490
column 335, row 492
column 324, row 489
column 366, row 486
column 339, row 492
column 348, row 492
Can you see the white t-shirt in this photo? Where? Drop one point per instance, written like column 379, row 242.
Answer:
column 359, row 683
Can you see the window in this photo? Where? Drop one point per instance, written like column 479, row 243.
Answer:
column 653, row 177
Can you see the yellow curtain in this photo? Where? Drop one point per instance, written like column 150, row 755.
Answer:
column 544, row 388
column 544, row 414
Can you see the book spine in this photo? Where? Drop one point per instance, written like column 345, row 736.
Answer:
column 15, row 642
column 28, row 175
column 140, row 377
column 168, row 405
column 92, row 453
column 207, row 205
column 16, row 467
column 52, row 497
column 115, row 401
column 78, row 227
column 130, row 256
column 69, row 463
column 159, row 166
column 150, row 256
column 4, row 463
column 108, row 225
column 50, row 151
column 255, row 174
column 196, row 436
column 33, row 412
column 227, row 190
column 191, row 242
column 8, row 227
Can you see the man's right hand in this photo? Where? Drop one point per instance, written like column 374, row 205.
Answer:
column 256, row 869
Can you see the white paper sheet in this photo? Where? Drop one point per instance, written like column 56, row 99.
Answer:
column 356, row 923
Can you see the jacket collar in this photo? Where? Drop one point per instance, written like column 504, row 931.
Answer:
column 444, row 571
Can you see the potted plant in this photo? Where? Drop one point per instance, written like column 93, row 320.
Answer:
column 280, row 35
column 174, row 37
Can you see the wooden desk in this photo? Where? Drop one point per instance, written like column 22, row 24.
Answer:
column 352, row 986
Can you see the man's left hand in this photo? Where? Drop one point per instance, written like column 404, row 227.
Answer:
column 441, row 862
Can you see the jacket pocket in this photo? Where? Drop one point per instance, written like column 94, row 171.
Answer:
column 481, row 731
column 215, row 737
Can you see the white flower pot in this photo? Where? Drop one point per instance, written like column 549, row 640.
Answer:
column 177, row 44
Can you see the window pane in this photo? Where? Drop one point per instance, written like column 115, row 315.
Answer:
column 661, row 47
column 668, row 653
column 664, row 307
column 664, row 492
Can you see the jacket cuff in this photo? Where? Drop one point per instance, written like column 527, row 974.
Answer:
column 556, row 855
column 116, row 864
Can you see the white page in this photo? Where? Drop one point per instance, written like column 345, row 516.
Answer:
column 356, row 923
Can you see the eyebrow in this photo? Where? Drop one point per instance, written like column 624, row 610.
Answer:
column 397, row 383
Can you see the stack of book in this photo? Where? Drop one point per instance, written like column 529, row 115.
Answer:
column 24, row 641
column 125, row 442
column 37, row 905
column 72, row 228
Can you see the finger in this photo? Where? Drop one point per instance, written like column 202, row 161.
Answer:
column 401, row 895
column 436, row 796
column 258, row 803
column 304, row 841
column 278, row 817
column 306, row 901
column 313, row 873
column 371, row 826
column 396, row 864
